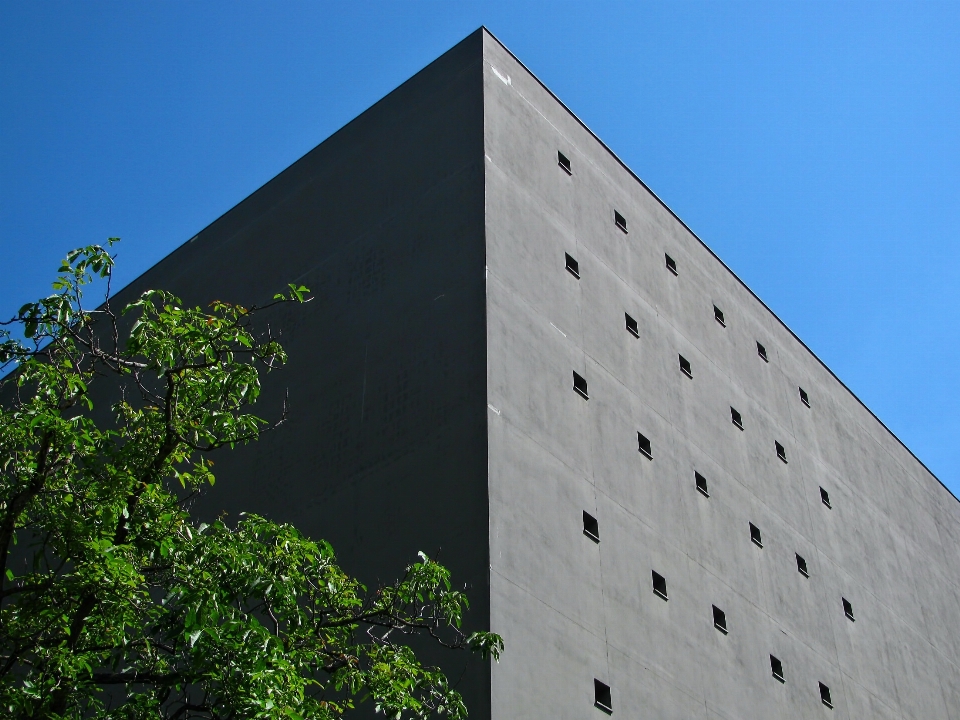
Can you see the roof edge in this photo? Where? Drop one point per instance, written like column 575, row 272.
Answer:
column 636, row 177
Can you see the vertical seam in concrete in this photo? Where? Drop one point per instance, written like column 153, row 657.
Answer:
column 593, row 479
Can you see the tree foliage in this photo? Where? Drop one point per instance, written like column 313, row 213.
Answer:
column 116, row 603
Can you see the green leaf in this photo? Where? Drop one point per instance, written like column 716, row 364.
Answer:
column 246, row 612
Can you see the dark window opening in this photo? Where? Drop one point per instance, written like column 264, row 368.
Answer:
column 573, row 267
column 762, row 352
column 781, row 453
column 755, row 535
column 591, row 528
column 620, row 220
column 803, row 397
column 685, row 367
column 825, row 498
column 632, row 326
column 701, row 484
column 601, row 696
column 644, row 445
column 776, row 667
column 718, row 314
column 580, row 385
column 848, row 609
column 671, row 264
column 802, row 566
column 825, row 695
column 735, row 417
column 564, row 162
column 659, row 585
column 719, row 620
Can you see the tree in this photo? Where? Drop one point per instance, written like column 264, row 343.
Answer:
column 116, row 603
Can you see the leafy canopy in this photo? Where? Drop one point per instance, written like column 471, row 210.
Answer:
column 115, row 602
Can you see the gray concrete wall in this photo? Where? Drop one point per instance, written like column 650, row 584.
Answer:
column 573, row 610
column 384, row 453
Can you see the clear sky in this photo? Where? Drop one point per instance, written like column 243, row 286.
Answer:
column 814, row 146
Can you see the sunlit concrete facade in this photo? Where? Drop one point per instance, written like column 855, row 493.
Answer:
column 432, row 407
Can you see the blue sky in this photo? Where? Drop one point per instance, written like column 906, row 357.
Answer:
column 815, row 146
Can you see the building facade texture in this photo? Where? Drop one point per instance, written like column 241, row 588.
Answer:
column 520, row 360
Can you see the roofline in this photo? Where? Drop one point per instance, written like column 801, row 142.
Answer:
column 666, row 207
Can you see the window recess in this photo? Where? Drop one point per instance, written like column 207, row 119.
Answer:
column 671, row 263
column 825, row 696
column 659, row 585
column 825, row 498
column 719, row 619
column 602, row 696
column 776, row 668
column 781, row 452
column 736, row 418
column 701, row 482
column 718, row 316
column 580, row 386
column 643, row 445
column 620, row 220
column 591, row 528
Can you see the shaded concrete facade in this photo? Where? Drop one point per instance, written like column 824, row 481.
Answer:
column 433, row 407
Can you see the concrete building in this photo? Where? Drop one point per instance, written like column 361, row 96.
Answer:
column 518, row 355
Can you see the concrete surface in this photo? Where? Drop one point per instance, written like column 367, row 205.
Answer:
column 573, row 611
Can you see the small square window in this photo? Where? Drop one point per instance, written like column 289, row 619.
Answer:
column 685, row 367
column 580, row 385
column 755, row 535
column 601, row 696
column 803, row 397
column 781, row 452
column 718, row 315
column 848, row 609
column 701, row 484
column 735, row 417
column 632, row 327
column 620, row 220
column 825, row 695
column 671, row 264
column 825, row 498
column 802, row 566
column 564, row 162
column 659, row 585
column 644, row 445
column 591, row 528
column 762, row 352
column 719, row 620
column 776, row 667
column 573, row 267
